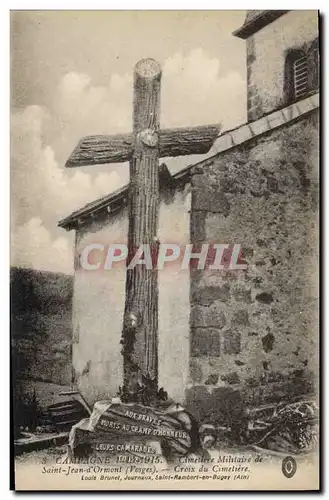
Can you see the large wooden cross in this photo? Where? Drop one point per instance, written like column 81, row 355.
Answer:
column 142, row 149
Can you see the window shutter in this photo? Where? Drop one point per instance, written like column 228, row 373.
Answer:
column 300, row 77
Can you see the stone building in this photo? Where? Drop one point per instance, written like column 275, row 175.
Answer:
column 250, row 333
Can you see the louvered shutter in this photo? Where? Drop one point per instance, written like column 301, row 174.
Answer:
column 300, row 77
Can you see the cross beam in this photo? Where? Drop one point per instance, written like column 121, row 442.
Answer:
column 142, row 149
column 99, row 149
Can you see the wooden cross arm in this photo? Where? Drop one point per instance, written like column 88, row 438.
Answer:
column 98, row 149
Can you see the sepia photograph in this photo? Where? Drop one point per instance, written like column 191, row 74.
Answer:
column 164, row 267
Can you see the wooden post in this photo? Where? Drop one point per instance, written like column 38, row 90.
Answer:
column 140, row 325
column 98, row 149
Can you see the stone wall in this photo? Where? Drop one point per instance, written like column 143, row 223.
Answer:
column 254, row 331
column 41, row 325
column 266, row 53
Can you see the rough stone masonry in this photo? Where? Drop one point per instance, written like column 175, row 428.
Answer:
column 252, row 338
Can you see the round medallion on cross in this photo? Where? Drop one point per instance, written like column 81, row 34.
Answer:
column 149, row 137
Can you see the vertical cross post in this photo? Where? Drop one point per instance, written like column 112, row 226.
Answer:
column 142, row 149
column 140, row 325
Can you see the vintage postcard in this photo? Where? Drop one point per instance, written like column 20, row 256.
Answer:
column 164, row 250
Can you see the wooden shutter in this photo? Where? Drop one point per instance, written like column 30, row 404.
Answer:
column 300, row 76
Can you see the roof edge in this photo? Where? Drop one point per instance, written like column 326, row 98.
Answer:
column 257, row 23
column 117, row 199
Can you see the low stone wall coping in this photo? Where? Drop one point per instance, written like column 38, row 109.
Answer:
column 269, row 122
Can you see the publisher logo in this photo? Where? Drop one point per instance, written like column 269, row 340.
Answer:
column 289, row 467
